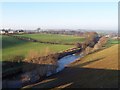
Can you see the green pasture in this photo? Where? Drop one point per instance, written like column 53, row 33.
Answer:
column 14, row 47
column 58, row 38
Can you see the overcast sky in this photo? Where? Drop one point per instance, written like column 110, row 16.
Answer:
column 80, row 15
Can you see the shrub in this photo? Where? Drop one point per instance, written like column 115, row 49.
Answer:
column 103, row 40
column 78, row 45
column 88, row 50
column 31, row 55
column 44, row 57
column 91, row 38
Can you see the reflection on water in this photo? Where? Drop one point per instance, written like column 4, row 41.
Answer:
column 66, row 60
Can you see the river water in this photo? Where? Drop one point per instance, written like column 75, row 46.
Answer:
column 61, row 65
column 65, row 61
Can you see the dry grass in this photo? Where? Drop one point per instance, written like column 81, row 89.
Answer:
column 40, row 58
column 108, row 59
column 96, row 70
column 32, row 55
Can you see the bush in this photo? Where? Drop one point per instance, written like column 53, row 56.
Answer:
column 103, row 40
column 44, row 57
column 78, row 45
column 88, row 50
column 91, row 38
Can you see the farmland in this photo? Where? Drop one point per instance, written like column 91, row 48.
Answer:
column 90, row 67
column 55, row 38
column 96, row 70
column 13, row 47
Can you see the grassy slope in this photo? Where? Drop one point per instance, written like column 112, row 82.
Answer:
column 54, row 38
column 108, row 59
column 95, row 70
column 12, row 47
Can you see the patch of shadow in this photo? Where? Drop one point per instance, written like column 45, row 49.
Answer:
column 19, row 74
column 8, row 42
column 82, row 78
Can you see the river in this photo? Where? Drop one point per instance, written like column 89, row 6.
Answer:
column 61, row 65
column 65, row 61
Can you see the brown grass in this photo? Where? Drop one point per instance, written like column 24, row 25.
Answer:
column 40, row 58
column 32, row 55
column 108, row 59
column 96, row 70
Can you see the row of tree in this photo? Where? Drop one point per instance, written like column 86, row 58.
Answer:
column 92, row 43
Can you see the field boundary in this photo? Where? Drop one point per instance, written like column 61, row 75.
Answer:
column 34, row 40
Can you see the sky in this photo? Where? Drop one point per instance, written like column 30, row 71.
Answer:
column 59, row 15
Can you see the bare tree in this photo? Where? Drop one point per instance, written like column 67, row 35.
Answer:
column 38, row 29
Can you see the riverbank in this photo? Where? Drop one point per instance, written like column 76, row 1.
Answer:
column 30, row 72
column 97, row 70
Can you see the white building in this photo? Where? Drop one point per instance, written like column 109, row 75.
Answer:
column 2, row 32
column 115, row 38
column 10, row 31
column 107, row 36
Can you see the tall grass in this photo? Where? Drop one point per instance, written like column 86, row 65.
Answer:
column 43, row 64
column 35, row 56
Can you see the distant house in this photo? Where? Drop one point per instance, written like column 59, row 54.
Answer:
column 107, row 36
column 6, row 31
column 3, row 31
column 115, row 38
column 10, row 32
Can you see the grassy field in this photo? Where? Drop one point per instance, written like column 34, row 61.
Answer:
column 13, row 47
column 112, row 42
column 96, row 70
column 55, row 38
